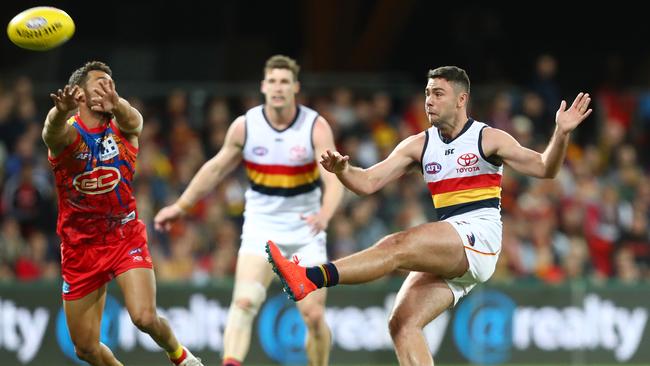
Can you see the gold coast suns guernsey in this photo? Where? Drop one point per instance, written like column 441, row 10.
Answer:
column 459, row 176
column 283, row 174
column 94, row 181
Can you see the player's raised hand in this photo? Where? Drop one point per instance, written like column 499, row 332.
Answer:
column 166, row 216
column 334, row 162
column 65, row 100
column 568, row 120
column 106, row 98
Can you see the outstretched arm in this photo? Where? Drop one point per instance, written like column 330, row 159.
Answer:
column 210, row 174
column 367, row 181
column 128, row 119
column 57, row 134
column 529, row 162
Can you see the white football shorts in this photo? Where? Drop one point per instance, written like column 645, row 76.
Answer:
column 481, row 236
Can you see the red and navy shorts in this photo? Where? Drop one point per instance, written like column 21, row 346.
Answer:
column 85, row 268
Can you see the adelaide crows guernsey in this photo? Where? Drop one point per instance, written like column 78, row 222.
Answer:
column 280, row 164
column 94, row 178
column 284, row 177
column 459, row 176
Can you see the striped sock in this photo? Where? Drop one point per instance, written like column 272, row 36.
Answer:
column 229, row 361
column 178, row 356
column 325, row 275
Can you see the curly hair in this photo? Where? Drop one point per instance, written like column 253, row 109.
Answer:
column 80, row 75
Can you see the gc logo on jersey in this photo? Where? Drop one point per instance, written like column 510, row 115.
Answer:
column 97, row 181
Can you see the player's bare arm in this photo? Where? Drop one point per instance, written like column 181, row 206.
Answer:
column 323, row 139
column 128, row 119
column 526, row 161
column 57, row 134
column 367, row 181
column 210, row 174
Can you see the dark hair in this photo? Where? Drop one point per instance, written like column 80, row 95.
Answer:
column 80, row 75
column 283, row 62
column 452, row 74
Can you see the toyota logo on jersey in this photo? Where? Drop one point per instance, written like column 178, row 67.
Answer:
column 468, row 159
column 97, row 181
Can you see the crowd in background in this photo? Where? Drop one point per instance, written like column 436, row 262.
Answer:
column 590, row 223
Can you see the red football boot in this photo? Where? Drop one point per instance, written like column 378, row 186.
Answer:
column 294, row 277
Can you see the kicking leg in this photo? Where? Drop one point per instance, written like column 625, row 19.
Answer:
column 84, row 317
column 421, row 299
column 318, row 334
column 434, row 248
column 252, row 278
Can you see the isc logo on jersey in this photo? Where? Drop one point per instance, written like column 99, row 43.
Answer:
column 97, row 181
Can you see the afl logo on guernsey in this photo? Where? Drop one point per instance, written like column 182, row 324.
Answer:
column 468, row 159
column 260, row 151
column 97, row 181
column 432, row 168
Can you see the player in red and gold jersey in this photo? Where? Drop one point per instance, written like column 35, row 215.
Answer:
column 93, row 154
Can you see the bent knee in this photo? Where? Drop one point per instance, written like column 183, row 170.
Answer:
column 249, row 296
column 314, row 317
column 394, row 324
column 392, row 240
column 399, row 324
column 394, row 244
column 86, row 351
column 245, row 304
column 144, row 319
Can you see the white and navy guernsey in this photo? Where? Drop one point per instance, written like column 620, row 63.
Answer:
column 281, row 164
column 459, row 176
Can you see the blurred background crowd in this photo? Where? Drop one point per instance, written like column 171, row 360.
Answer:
column 589, row 224
column 192, row 67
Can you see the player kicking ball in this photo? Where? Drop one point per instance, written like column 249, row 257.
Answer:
column 461, row 161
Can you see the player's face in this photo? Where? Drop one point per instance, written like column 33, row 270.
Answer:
column 441, row 102
column 92, row 84
column 279, row 88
